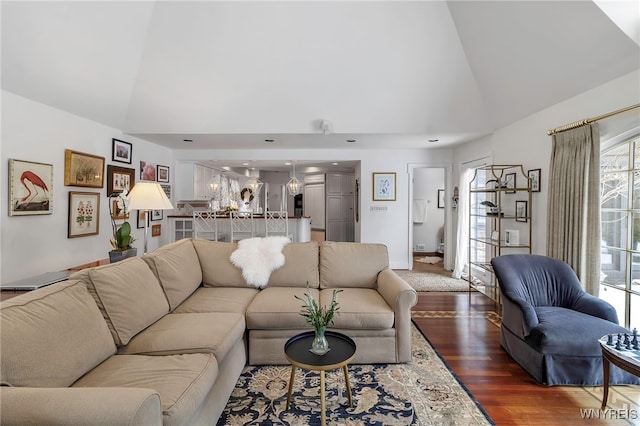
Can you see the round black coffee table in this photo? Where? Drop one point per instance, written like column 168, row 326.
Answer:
column 342, row 350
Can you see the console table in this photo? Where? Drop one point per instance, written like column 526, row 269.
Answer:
column 9, row 293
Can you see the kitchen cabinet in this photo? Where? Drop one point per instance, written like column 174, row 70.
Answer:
column 192, row 181
column 340, row 207
column 314, row 204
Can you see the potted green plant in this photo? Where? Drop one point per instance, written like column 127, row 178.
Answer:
column 121, row 239
column 319, row 317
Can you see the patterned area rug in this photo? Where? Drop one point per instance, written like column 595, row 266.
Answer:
column 423, row 392
column 427, row 281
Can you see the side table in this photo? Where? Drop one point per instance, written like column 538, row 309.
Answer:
column 619, row 358
column 342, row 350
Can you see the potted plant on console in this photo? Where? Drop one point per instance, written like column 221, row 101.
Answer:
column 122, row 239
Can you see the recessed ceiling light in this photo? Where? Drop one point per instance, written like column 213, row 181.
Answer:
column 225, row 167
column 269, row 140
column 335, row 164
column 433, row 140
column 245, row 164
column 287, row 163
column 187, row 140
column 351, row 140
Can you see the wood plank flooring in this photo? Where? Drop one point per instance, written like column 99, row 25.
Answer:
column 461, row 327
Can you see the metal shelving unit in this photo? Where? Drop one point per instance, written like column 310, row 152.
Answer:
column 500, row 205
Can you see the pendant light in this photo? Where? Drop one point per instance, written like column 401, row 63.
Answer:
column 294, row 186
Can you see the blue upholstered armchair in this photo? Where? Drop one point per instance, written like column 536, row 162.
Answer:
column 550, row 325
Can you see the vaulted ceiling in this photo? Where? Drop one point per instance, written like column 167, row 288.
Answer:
column 232, row 74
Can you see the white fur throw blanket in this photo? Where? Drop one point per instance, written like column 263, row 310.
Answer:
column 258, row 257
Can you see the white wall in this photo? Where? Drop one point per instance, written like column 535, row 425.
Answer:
column 388, row 226
column 426, row 182
column 32, row 131
column 526, row 142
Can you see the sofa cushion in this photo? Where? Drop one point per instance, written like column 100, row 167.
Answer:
column 52, row 336
column 218, row 299
column 351, row 264
column 183, row 381
column 276, row 308
column 177, row 267
column 175, row 334
column 119, row 289
column 300, row 266
column 217, row 269
column 359, row 308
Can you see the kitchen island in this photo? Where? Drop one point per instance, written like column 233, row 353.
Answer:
column 181, row 226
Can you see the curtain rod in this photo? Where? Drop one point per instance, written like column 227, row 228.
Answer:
column 589, row 120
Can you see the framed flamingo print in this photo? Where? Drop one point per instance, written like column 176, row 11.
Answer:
column 30, row 188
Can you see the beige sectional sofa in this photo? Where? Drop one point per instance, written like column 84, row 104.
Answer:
column 162, row 339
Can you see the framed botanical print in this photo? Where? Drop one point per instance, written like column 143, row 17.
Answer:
column 119, row 179
column 121, row 151
column 84, row 214
column 30, row 188
column 156, row 230
column 156, row 214
column 384, row 186
column 521, row 211
column 81, row 169
column 534, row 177
column 510, row 180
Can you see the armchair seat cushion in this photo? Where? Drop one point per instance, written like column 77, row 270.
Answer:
column 577, row 335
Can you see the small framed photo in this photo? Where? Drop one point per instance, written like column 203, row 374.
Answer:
column 384, row 186
column 84, row 214
column 141, row 219
column 510, row 181
column 162, row 174
column 441, row 198
column 30, row 188
column 82, row 169
column 121, row 151
column 119, row 179
column 147, row 171
column 156, row 215
column 117, row 212
column 156, row 230
column 521, row 211
column 534, row 177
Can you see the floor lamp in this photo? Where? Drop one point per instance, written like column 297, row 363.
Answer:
column 148, row 196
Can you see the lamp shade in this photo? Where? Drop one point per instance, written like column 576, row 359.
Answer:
column 148, row 196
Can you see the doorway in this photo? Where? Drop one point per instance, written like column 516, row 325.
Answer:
column 429, row 213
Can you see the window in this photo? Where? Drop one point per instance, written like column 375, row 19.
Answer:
column 620, row 220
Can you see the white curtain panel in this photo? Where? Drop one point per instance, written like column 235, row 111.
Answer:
column 573, row 224
column 462, row 244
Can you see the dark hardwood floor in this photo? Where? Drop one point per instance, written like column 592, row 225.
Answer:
column 462, row 328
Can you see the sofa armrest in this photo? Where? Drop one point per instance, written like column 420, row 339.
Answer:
column 80, row 406
column 401, row 297
column 518, row 315
column 594, row 306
